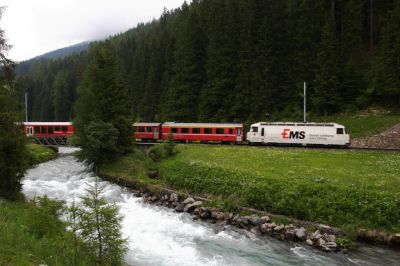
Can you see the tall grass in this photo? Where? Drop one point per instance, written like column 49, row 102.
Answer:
column 32, row 236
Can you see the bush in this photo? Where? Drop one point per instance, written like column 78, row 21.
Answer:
column 164, row 150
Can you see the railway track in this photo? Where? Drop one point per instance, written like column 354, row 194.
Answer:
column 282, row 146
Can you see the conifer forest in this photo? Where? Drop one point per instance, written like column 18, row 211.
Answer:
column 236, row 60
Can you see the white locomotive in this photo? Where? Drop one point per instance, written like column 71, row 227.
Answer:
column 305, row 134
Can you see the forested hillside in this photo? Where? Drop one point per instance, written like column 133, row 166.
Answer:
column 235, row 60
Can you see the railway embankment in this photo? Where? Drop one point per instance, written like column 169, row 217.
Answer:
column 389, row 139
column 354, row 191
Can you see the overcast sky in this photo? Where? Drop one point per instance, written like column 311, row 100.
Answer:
column 35, row 27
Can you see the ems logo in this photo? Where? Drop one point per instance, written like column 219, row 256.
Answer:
column 287, row 134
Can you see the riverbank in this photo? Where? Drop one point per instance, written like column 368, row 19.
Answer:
column 40, row 154
column 32, row 234
column 355, row 191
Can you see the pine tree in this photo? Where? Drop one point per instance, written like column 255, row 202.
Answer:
column 386, row 85
column 99, row 226
column 325, row 97
column 221, row 67
column 103, row 102
column 61, row 99
column 12, row 141
column 187, row 78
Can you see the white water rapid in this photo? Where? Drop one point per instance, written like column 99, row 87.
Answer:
column 159, row 236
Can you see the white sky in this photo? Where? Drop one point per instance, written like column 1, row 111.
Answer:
column 35, row 27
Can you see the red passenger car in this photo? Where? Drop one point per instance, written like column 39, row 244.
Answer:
column 204, row 132
column 147, row 131
column 49, row 133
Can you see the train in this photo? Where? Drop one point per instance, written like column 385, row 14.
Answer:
column 262, row 133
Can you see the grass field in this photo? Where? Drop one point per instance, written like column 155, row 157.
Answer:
column 348, row 189
column 31, row 236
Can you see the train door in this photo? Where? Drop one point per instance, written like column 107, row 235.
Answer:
column 29, row 131
column 262, row 134
column 239, row 134
column 156, row 133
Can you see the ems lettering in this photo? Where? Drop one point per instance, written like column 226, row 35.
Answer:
column 288, row 134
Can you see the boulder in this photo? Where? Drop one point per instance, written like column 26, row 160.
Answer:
column 243, row 222
column 329, row 246
column 217, row 215
column 174, row 197
column 315, row 236
column 255, row 220
column 192, row 206
column 264, row 228
column 290, row 227
column 265, row 219
column 290, row 235
column 329, row 238
column 189, row 200
column 271, row 225
column 321, row 241
column 301, row 233
column 204, row 215
column 180, row 207
column 309, row 242
column 153, row 199
column 279, row 228
column 234, row 220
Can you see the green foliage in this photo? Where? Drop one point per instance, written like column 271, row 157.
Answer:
column 39, row 154
column 100, row 143
column 235, row 60
column 133, row 166
column 347, row 189
column 100, row 227
column 13, row 153
column 345, row 243
column 326, row 84
column 30, row 235
column 103, row 127
column 164, row 150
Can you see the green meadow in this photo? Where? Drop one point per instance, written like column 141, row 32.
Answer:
column 345, row 188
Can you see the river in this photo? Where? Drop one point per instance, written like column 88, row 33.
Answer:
column 159, row 236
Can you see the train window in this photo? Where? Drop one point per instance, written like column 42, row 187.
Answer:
column 239, row 131
column 37, row 130
column 174, row 130
column 185, row 130
column 230, row 131
column 141, row 129
column 195, row 130
column 43, row 130
column 51, row 130
column 64, row 128
column 254, row 129
column 262, row 132
column 57, row 129
column 219, row 131
column 340, row 131
column 148, row 129
column 208, row 131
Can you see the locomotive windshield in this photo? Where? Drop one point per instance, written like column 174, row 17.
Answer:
column 254, row 129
